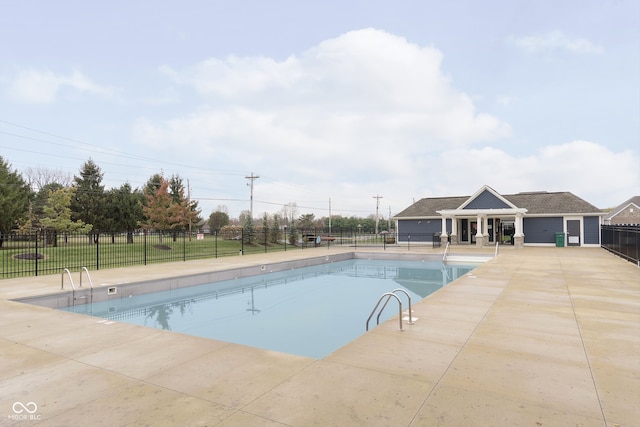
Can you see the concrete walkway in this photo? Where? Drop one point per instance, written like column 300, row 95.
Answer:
column 534, row 337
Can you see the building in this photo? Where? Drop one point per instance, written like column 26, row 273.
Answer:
column 487, row 217
column 628, row 213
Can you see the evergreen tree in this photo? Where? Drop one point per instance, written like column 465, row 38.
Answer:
column 306, row 221
column 57, row 214
column 293, row 233
column 153, row 184
column 125, row 207
column 40, row 200
column 274, row 231
column 189, row 207
column 248, row 230
column 157, row 209
column 164, row 213
column 88, row 205
column 15, row 196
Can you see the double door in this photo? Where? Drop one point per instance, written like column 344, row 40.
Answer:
column 498, row 231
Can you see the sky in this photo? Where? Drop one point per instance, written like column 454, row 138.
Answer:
column 339, row 107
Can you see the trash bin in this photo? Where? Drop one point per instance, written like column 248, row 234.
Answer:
column 559, row 240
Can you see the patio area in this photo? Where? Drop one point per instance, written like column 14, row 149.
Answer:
column 534, row 337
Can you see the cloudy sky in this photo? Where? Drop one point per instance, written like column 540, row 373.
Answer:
column 336, row 101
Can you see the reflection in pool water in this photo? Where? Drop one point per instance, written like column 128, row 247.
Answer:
column 311, row 311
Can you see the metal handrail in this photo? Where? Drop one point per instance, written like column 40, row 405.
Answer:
column 388, row 298
column 496, row 253
column 388, row 295
column 88, row 277
column 445, row 273
column 446, row 249
column 66, row 270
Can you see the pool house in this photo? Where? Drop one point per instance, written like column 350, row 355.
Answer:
column 531, row 218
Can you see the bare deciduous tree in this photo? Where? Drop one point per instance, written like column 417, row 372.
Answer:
column 38, row 178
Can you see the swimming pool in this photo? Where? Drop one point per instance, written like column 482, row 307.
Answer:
column 310, row 311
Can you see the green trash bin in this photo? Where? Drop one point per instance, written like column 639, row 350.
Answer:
column 559, row 240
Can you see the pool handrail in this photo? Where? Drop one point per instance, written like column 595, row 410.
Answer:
column 88, row 277
column 388, row 298
column 66, row 270
column 446, row 249
column 388, row 295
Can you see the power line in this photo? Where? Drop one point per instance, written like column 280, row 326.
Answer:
column 95, row 149
column 98, row 149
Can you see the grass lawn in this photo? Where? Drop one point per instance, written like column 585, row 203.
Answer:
column 22, row 258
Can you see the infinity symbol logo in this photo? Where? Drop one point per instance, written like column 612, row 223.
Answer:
column 30, row 407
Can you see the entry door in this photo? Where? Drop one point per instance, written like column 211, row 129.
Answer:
column 464, row 229
column 473, row 231
column 573, row 232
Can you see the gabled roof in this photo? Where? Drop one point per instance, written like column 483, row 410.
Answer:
column 545, row 203
column 427, row 207
column 635, row 200
column 485, row 196
column 535, row 203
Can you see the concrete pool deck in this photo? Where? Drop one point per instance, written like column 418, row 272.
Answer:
column 534, row 337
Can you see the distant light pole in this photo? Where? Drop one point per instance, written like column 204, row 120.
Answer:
column 377, row 197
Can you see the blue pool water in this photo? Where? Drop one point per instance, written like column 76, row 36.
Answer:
column 310, row 311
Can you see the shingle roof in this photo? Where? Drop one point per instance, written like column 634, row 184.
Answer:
column 428, row 206
column 544, row 203
column 535, row 203
column 615, row 211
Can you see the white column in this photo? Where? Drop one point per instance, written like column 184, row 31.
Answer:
column 518, row 236
column 444, row 227
column 479, row 234
column 518, row 225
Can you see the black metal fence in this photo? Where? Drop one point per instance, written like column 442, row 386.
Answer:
column 622, row 240
column 41, row 253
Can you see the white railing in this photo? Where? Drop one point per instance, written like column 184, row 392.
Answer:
column 88, row 277
column 66, row 270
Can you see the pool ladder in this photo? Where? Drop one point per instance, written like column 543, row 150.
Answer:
column 388, row 296
column 73, row 288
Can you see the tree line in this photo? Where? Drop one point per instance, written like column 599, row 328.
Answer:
column 53, row 202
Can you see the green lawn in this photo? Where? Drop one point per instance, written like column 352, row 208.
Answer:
column 76, row 252
column 18, row 256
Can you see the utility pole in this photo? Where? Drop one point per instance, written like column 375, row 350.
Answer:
column 329, row 216
column 251, row 178
column 253, row 308
column 377, row 197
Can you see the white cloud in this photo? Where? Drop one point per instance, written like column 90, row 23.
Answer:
column 365, row 88
column 42, row 87
column 581, row 167
column 362, row 114
column 556, row 40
